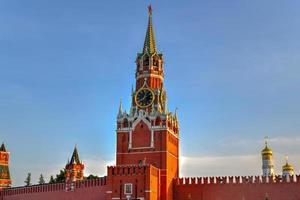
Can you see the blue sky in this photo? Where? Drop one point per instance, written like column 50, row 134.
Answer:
column 232, row 69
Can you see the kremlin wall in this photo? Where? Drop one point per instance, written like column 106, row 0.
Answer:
column 147, row 156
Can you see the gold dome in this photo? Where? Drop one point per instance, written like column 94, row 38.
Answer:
column 266, row 151
column 287, row 167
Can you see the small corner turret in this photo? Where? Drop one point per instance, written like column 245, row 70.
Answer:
column 5, row 180
column 74, row 168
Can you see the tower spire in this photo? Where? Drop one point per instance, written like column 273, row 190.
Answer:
column 120, row 113
column 75, row 157
column 149, row 44
column 2, row 148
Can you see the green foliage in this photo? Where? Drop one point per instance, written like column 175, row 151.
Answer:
column 91, row 176
column 51, row 179
column 41, row 179
column 28, row 180
column 60, row 178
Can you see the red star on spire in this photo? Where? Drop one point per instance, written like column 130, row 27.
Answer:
column 150, row 9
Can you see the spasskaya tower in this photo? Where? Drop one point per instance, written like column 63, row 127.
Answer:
column 149, row 133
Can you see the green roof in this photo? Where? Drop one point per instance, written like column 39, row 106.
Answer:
column 149, row 44
column 75, row 157
column 2, row 148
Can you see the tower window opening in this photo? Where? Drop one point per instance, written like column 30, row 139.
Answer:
column 155, row 64
column 146, row 61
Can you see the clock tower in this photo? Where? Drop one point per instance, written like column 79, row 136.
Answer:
column 149, row 133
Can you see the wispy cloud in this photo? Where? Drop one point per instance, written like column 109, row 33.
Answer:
column 239, row 161
column 285, row 141
column 220, row 165
column 230, row 165
column 280, row 144
column 96, row 166
column 281, row 140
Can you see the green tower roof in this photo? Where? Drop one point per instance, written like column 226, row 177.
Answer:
column 149, row 44
column 75, row 157
column 2, row 148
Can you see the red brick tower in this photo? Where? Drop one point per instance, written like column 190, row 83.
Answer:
column 74, row 168
column 149, row 134
column 5, row 180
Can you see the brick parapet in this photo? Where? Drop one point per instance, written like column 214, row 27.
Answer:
column 129, row 170
column 53, row 187
column 190, row 181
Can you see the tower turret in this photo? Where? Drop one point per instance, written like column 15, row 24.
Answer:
column 5, row 180
column 267, row 161
column 74, row 168
column 287, row 169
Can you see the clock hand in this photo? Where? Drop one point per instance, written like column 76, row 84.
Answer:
column 142, row 99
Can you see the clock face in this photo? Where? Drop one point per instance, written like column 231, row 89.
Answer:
column 163, row 98
column 144, row 97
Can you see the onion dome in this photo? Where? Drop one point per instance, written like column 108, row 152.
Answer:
column 287, row 169
column 267, row 150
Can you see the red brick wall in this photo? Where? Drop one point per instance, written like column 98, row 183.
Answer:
column 143, row 179
column 141, row 136
column 229, row 190
column 87, row 190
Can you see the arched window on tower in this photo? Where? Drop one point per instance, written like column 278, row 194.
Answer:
column 146, row 62
column 126, row 123
column 155, row 63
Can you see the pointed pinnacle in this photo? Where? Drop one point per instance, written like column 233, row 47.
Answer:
column 120, row 109
column 176, row 113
